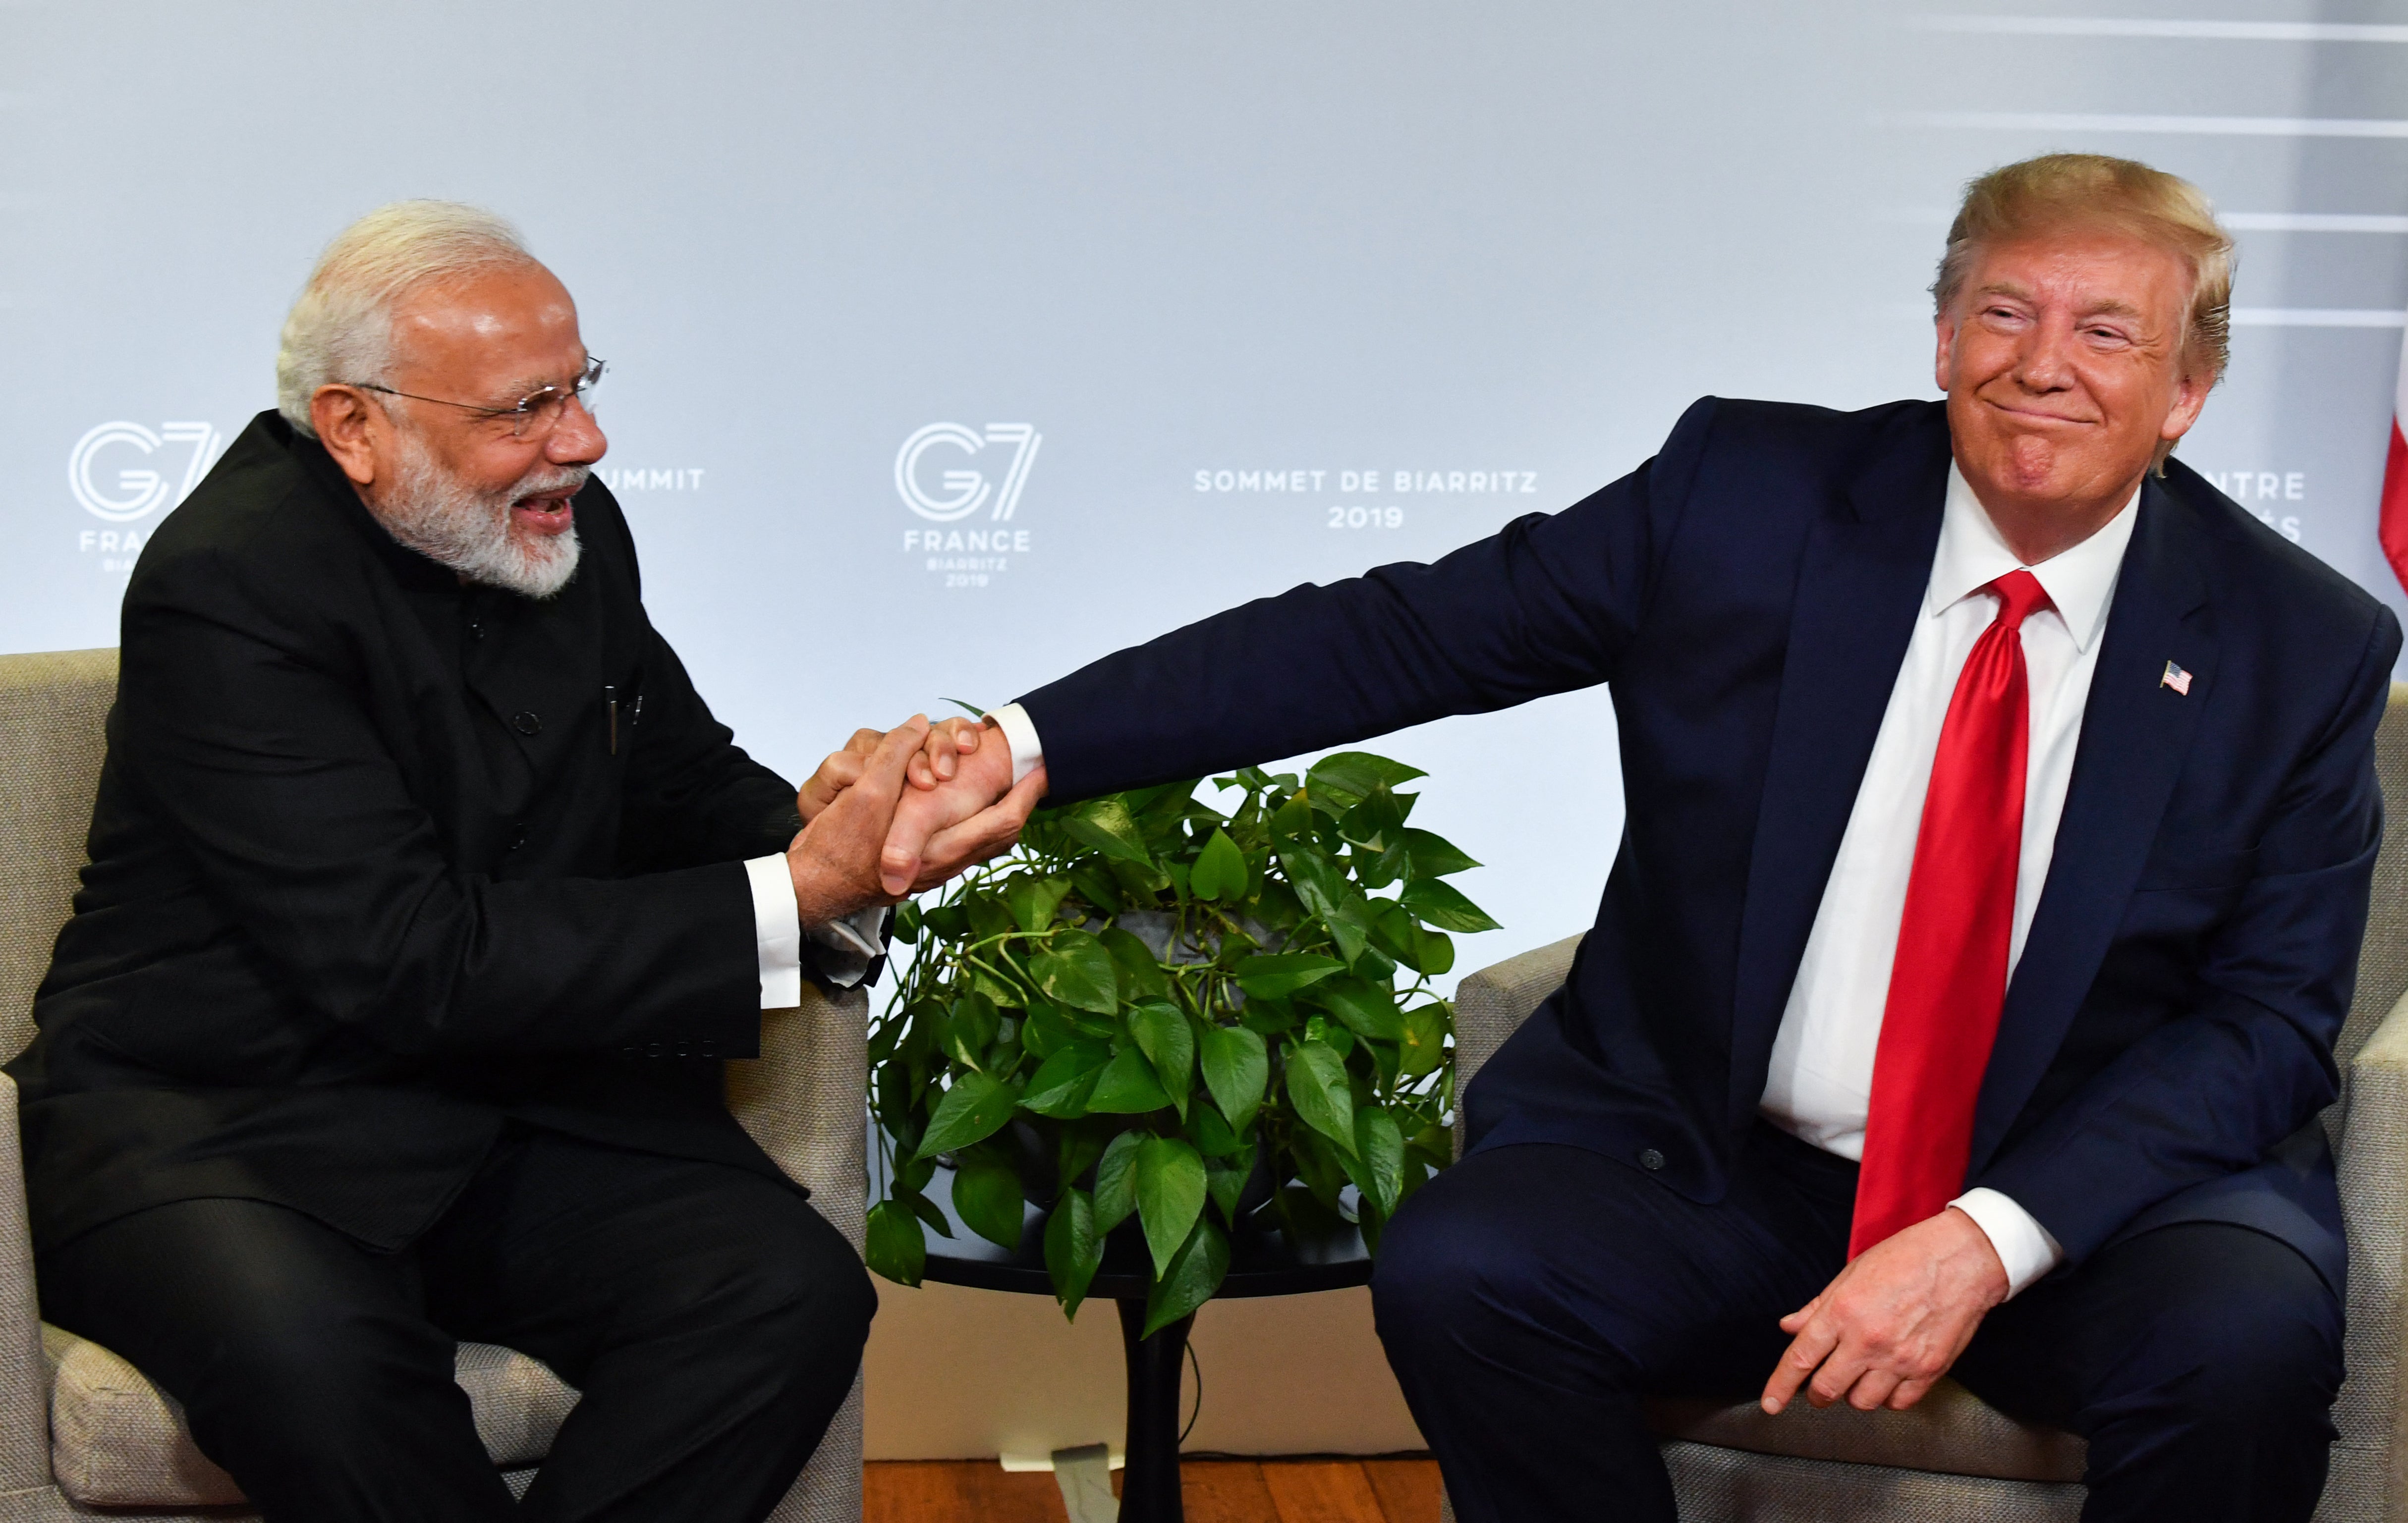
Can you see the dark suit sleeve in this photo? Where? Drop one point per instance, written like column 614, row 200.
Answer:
column 692, row 795
column 239, row 721
column 2213, row 1091
column 1547, row 605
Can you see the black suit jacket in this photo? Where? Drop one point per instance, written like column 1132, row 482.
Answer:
column 1749, row 593
column 367, row 877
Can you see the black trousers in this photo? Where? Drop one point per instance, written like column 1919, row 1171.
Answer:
column 1531, row 1296
column 712, row 1318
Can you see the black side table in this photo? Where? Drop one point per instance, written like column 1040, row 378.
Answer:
column 1262, row 1262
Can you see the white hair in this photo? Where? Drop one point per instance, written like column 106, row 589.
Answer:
column 340, row 328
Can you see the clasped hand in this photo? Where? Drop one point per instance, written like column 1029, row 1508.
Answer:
column 893, row 814
column 1889, row 1325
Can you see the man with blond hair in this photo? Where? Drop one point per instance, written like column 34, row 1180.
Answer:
column 2001, row 810
column 425, row 898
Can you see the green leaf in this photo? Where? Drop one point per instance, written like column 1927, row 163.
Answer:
column 1141, row 976
column 949, row 922
column 1225, row 1178
column 988, row 918
column 1442, row 905
column 987, row 1197
column 1096, row 887
column 1433, row 952
column 1378, row 1164
column 1127, row 1086
column 1283, row 973
column 1424, row 1046
column 1033, row 901
column 1063, row 1082
column 973, row 1110
column 1210, row 1132
column 1195, row 1272
column 1376, row 824
column 1169, row 1043
column 973, row 709
column 1318, row 880
column 1075, row 970
column 1434, row 856
column 1317, row 1087
column 1106, row 825
column 1366, row 1009
column 1169, row 1195
column 907, row 921
column 1073, row 1249
column 1117, row 1181
column 925, row 1209
column 895, row 1249
column 1046, row 1031
column 1236, row 1070
column 969, row 1027
column 1347, row 776
column 1220, row 870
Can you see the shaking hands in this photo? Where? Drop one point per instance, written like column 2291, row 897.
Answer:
column 894, row 814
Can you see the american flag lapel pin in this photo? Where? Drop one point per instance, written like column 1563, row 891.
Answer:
column 2177, row 679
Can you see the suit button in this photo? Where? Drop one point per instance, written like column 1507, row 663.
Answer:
column 518, row 836
column 526, row 723
column 1650, row 1158
column 475, row 630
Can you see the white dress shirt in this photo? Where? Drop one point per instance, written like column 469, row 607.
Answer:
column 1821, row 1079
column 1822, row 1076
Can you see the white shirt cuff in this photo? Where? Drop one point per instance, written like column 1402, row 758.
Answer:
column 778, row 931
column 848, row 946
column 1026, row 751
column 2023, row 1244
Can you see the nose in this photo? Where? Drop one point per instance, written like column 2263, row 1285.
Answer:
column 2044, row 361
column 576, row 438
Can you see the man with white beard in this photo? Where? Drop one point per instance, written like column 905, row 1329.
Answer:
column 425, row 898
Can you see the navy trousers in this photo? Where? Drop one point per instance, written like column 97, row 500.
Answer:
column 710, row 1317
column 1531, row 1296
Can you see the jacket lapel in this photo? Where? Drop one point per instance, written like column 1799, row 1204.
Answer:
column 1860, row 588
column 2135, row 736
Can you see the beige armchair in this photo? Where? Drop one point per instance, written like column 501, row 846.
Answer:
column 1954, row 1458
column 82, row 1435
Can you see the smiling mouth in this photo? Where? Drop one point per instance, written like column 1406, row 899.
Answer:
column 2036, row 415
column 550, row 513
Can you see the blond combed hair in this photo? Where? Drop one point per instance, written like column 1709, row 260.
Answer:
column 2064, row 191
column 340, row 329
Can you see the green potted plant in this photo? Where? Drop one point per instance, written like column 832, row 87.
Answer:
column 1192, row 1021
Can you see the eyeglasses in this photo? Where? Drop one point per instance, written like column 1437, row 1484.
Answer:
column 533, row 416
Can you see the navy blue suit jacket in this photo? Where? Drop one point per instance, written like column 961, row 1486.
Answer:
column 1748, row 594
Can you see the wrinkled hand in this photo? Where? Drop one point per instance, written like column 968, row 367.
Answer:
column 842, row 769
column 834, row 859
column 966, row 810
column 1894, row 1320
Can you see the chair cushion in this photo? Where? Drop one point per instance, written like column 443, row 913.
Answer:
column 118, row 1441
column 1951, row 1432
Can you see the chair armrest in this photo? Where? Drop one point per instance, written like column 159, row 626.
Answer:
column 805, row 1098
column 1492, row 1003
column 24, row 1374
column 2370, row 1416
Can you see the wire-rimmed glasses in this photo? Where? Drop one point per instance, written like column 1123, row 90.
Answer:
column 533, row 416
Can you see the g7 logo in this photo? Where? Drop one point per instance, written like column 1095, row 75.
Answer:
column 969, row 489
column 140, row 491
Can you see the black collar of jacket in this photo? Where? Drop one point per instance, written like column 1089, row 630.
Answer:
column 414, row 571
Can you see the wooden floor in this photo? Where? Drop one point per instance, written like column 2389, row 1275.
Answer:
column 1216, row 1491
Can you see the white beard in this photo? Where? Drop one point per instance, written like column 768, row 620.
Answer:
column 470, row 530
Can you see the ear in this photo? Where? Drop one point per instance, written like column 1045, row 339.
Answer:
column 2190, row 397
column 352, row 429
column 1945, row 330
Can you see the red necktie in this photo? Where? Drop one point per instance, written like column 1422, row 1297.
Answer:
column 1950, row 976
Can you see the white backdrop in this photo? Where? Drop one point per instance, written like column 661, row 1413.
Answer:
column 1194, row 283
